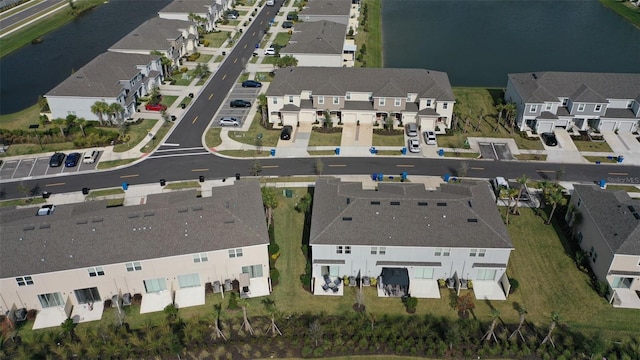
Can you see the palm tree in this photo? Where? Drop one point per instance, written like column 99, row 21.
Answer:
column 246, row 325
column 508, row 194
column 270, row 306
column 523, row 184
column 81, row 122
column 555, row 319
column 511, row 108
column 523, row 312
column 100, row 108
column 270, row 201
column 500, row 107
column 116, row 111
column 552, row 196
column 495, row 314
column 60, row 123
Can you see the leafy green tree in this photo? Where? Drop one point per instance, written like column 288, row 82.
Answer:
column 43, row 104
column 68, row 326
column 286, row 61
column 154, row 95
column 255, row 167
column 319, row 167
column 270, row 202
column 304, row 205
column 201, row 70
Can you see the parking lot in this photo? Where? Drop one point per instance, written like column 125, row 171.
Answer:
column 237, row 93
column 38, row 166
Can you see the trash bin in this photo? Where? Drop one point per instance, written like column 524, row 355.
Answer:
column 237, row 176
column 603, row 184
column 191, row 95
column 380, row 177
column 46, row 194
column 337, row 151
column 85, row 191
column 201, row 178
column 163, row 182
column 372, row 150
column 125, row 186
column 403, row 151
column 446, row 177
column 273, row 152
column 183, row 106
column 620, row 158
column 441, row 152
column 374, row 176
column 403, row 176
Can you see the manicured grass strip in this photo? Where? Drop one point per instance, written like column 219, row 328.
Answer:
column 244, row 153
column 105, row 192
column 137, row 133
column 159, row 136
column 24, row 36
column 465, row 155
column 602, row 159
column 269, row 136
column 21, row 119
column 183, row 185
column 26, row 149
column 22, row 202
column 387, row 140
column 389, row 153
column 282, row 38
column 113, row 163
column 599, row 146
column 321, row 152
column 537, row 157
column 212, row 138
column 325, row 139
column 627, row 188
column 624, row 9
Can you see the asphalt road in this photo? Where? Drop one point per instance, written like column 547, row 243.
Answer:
column 44, row 6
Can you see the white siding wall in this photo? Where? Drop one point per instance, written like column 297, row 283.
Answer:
column 329, row 60
column 80, row 106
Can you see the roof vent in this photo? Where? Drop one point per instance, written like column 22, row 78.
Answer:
column 29, row 227
column 348, row 201
column 636, row 215
column 631, row 208
column 196, row 208
column 45, row 226
column 229, row 221
column 347, row 218
column 469, row 203
column 82, row 222
column 472, row 220
column 375, row 203
column 183, row 210
column 150, row 213
column 422, row 203
column 97, row 220
column 534, row 76
column 133, row 216
column 395, row 203
column 442, row 204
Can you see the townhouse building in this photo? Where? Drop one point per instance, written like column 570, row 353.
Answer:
column 361, row 95
column 407, row 238
column 206, row 10
column 579, row 100
column 112, row 78
column 319, row 43
column 169, row 250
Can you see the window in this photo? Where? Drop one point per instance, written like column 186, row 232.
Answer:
column 424, row 273
column 580, row 107
column 482, row 252
column 274, row 100
column 155, row 285
column 597, row 108
column 579, row 202
column 473, row 252
column 382, row 250
column 348, row 96
column 397, row 102
column 189, row 280
column 254, row 271
column 438, row 252
column 428, row 102
column 445, row 106
column 87, row 296
column 486, row 274
column 134, row 266
column 533, row 108
column 347, row 249
column 51, row 300
column 338, row 249
column 620, row 282
column 565, row 101
column 381, row 101
column 336, row 100
column 446, row 252
column 374, row 250
column 290, row 99
column 24, row 280
column 320, row 99
column 234, row 253
column 200, row 258
column 96, row 271
column 548, row 106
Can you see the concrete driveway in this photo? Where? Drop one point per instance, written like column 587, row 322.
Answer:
column 624, row 144
column 356, row 140
column 566, row 151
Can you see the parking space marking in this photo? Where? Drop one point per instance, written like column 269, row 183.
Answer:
column 254, row 34
column 54, row 184
column 194, row 120
column 129, row 176
column 199, row 170
column 245, row 46
column 211, row 96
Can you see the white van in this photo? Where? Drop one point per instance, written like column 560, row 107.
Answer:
column 90, row 157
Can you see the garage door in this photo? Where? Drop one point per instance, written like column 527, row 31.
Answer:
column 290, row 119
column 349, row 118
column 562, row 123
column 544, row 126
column 427, row 124
column 306, row 117
column 626, row 126
column 607, row 125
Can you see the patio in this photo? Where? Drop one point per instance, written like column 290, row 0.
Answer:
column 50, row 317
column 625, row 298
column 424, row 288
column 87, row 312
column 191, row 296
column 323, row 287
column 488, row 290
column 152, row 302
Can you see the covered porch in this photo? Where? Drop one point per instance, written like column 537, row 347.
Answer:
column 394, row 282
column 625, row 298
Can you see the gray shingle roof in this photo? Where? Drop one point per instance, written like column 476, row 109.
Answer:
column 620, row 113
column 338, row 81
column 101, row 76
column 586, row 87
column 317, row 37
column 327, row 7
column 89, row 234
column 188, row 6
column 612, row 216
column 153, row 34
column 396, row 215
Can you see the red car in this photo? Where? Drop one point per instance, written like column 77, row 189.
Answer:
column 155, row 107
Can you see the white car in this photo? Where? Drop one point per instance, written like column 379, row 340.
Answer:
column 270, row 51
column 228, row 121
column 430, row 137
column 414, row 145
column 90, row 157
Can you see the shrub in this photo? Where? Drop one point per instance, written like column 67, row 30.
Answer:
column 274, row 248
column 275, row 275
column 233, row 301
column 602, row 288
column 515, row 284
column 410, row 303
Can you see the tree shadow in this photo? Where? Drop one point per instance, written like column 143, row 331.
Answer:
column 497, row 95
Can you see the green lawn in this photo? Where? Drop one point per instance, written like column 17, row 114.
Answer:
column 183, row 185
column 26, row 149
column 325, row 139
column 216, row 39
column 22, row 202
column 627, row 188
column 204, row 58
column 105, row 192
column 245, row 153
column 168, row 99
column 269, row 137
column 113, row 163
column 387, row 140
column 602, row 159
column 282, row 38
column 136, row 133
column 159, row 136
column 536, row 157
column 599, row 146
column 465, row 155
column 21, row 119
column 625, row 9
column 373, row 37
column 212, row 138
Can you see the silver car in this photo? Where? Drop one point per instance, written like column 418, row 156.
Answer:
column 430, row 137
column 414, row 145
column 228, row 121
column 411, row 129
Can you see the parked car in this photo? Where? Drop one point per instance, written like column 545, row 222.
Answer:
column 287, row 24
column 271, row 2
column 240, row 103
column 411, row 129
column 233, row 14
column 46, row 210
column 57, row 159
column 499, row 184
column 228, row 121
column 285, row 134
column 251, row 83
column 72, row 159
column 155, row 107
column 430, row 137
column 292, row 16
column 90, row 157
column 549, row 138
column 270, row 51
column 414, row 145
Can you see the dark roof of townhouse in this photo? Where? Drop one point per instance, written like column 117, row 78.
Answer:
column 381, row 82
column 615, row 214
column 405, row 214
column 326, row 7
column 154, row 34
column 90, row 234
column 101, row 77
column 187, row 6
column 578, row 86
column 316, row 37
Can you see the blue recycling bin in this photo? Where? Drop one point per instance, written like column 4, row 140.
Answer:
column 602, row 183
column 440, row 152
column 403, row 176
column 597, row 162
column 125, row 186
column 380, row 177
column 273, row 152
column 620, row 158
column 337, row 151
column 446, row 177
column 374, row 176
column 373, row 150
column 403, row 151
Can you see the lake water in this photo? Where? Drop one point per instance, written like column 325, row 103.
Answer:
column 35, row 69
column 478, row 42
